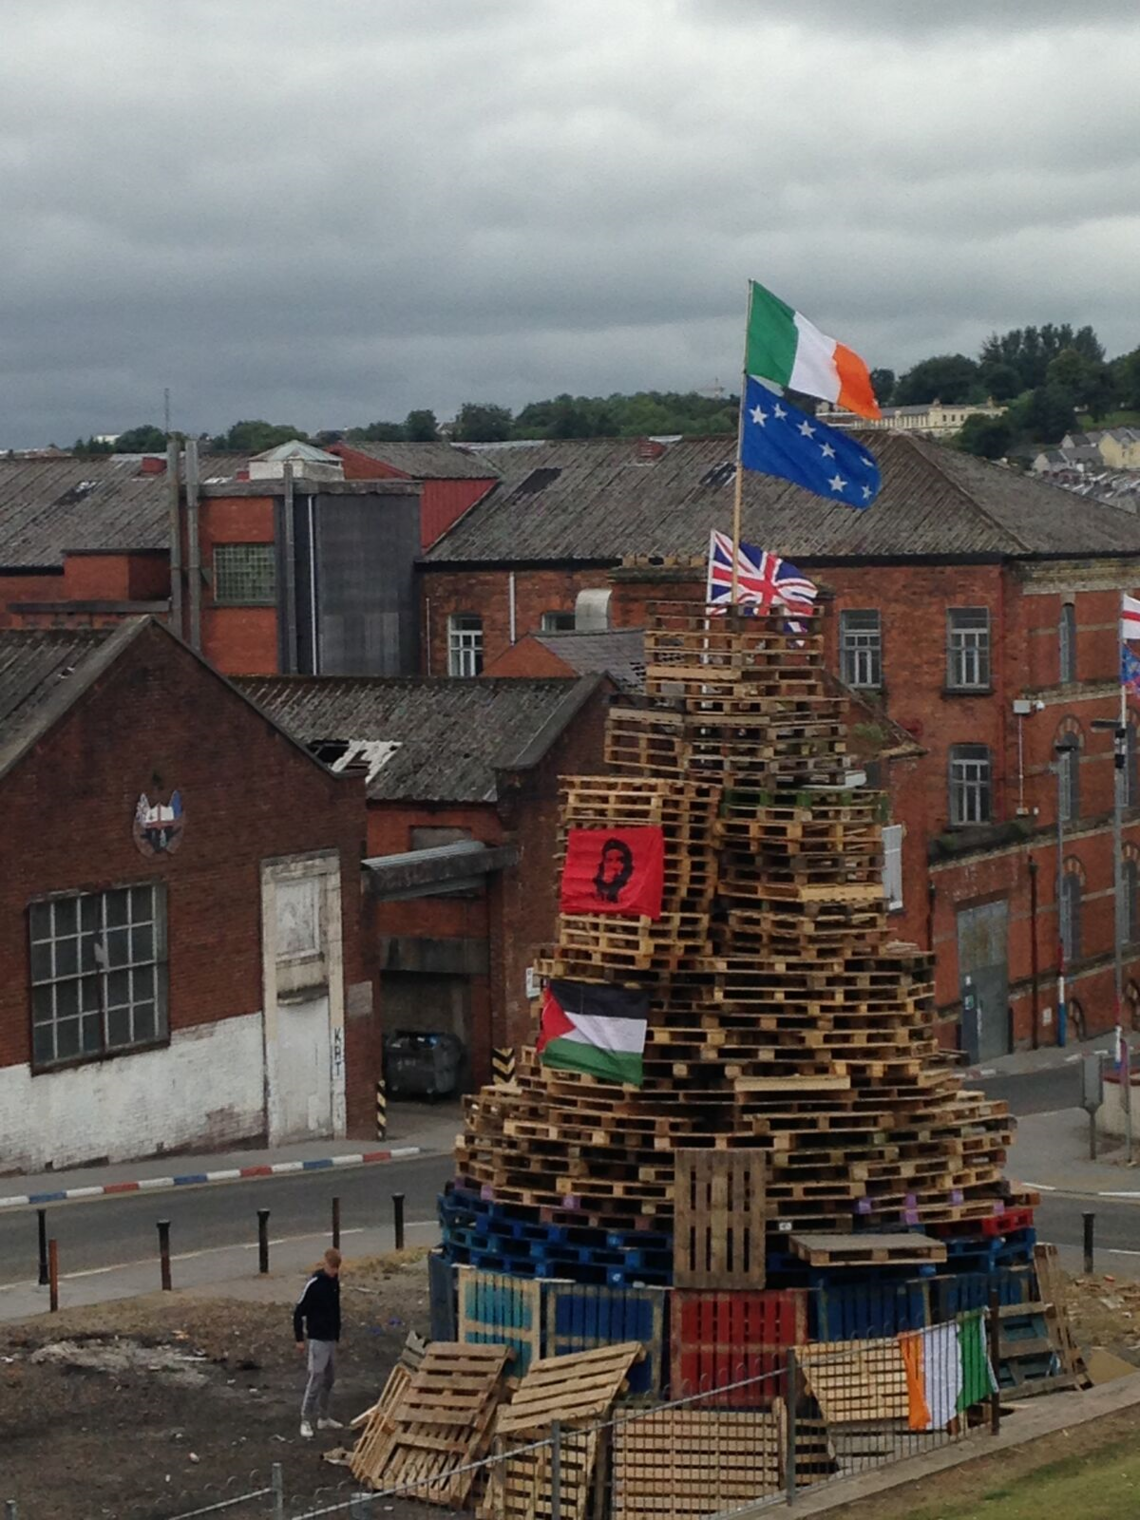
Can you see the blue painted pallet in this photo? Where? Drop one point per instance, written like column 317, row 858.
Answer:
column 864, row 1311
column 581, row 1318
column 959, row 1292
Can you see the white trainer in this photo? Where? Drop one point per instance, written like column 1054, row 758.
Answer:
column 329, row 1424
column 306, row 1430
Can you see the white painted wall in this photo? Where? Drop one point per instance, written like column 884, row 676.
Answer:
column 207, row 1089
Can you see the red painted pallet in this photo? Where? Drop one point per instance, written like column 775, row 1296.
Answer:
column 734, row 1337
column 1020, row 1218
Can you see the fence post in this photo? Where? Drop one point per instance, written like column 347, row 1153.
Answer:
column 277, row 1484
column 336, row 1224
column 164, row 1253
column 556, row 1470
column 42, row 1223
column 381, row 1110
column 1088, row 1219
column 10, row 1511
column 398, row 1219
column 790, row 1406
column 263, row 1241
column 53, row 1275
column 995, row 1360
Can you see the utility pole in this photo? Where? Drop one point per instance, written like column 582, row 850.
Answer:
column 1119, row 730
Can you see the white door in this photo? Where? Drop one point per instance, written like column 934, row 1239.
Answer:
column 300, row 1098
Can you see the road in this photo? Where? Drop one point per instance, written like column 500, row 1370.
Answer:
column 1038, row 1092
column 121, row 1229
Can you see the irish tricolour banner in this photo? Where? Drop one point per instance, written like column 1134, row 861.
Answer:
column 593, row 1028
column 785, row 347
column 947, row 1371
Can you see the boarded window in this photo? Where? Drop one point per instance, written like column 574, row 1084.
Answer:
column 892, row 865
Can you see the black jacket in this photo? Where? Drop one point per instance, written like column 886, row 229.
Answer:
column 318, row 1309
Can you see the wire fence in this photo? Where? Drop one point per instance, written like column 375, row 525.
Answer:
column 815, row 1414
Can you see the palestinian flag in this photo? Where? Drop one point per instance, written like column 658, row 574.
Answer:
column 595, row 1029
column 782, row 345
column 947, row 1371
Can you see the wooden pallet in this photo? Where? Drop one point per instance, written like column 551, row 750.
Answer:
column 856, row 1381
column 520, row 1483
column 377, row 1428
column 498, row 1309
column 685, row 1464
column 720, row 1219
column 862, row 1250
column 441, row 1421
column 1052, row 1293
column 571, row 1389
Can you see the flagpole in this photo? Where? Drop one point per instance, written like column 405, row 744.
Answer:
column 738, row 491
column 1120, row 760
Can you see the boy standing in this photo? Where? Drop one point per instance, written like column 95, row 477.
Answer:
column 318, row 1314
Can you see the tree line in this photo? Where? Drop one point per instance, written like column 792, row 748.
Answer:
column 1045, row 376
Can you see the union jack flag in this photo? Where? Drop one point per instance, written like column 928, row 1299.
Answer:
column 763, row 580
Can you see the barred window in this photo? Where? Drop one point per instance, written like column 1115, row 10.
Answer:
column 861, row 647
column 1071, row 917
column 245, row 574
column 1069, row 764
column 464, row 644
column 968, row 648
column 969, row 784
column 98, row 973
column 892, row 864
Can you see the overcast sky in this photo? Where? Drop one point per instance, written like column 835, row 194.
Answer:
column 329, row 211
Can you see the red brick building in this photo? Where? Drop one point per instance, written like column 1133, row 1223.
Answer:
column 973, row 607
column 463, row 780
column 451, row 478
column 179, row 910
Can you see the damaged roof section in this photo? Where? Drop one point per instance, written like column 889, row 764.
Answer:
column 431, row 740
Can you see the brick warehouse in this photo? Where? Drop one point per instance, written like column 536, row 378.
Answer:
column 966, row 588
column 179, row 915
column 463, row 784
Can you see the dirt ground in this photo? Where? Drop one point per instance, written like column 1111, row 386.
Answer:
column 149, row 1408
column 153, row 1406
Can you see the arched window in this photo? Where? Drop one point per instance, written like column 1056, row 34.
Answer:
column 464, row 644
column 1071, row 914
column 1069, row 741
column 1068, row 633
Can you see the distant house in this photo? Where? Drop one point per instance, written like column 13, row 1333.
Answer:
column 932, row 419
column 1120, row 448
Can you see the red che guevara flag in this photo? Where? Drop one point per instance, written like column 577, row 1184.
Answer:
column 618, row 871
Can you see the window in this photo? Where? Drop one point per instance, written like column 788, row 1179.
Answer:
column 464, row 644
column 969, row 784
column 892, row 865
column 98, row 973
column 245, row 575
column 558, row 622
column 1130, row 908
column 1068, row 642
column 1071, row 917
column 861, row 648
column 1069, row 786
column 968, row 648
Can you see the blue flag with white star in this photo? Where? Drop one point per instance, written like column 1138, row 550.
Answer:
column 778, row 439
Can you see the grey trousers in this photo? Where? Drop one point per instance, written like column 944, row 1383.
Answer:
column 322, row 1376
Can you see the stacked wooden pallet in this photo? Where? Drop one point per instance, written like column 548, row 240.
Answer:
column 783, row 1020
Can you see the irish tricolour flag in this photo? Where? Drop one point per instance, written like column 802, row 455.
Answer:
column 785, row 347
column 947, row 1371
column 593, row 1028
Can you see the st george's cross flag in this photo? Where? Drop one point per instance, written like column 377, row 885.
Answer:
column 776, row 438
column 763, row 580
column 618, row 871
column 593, row 1028
column 1129, row 617
column 783, row 346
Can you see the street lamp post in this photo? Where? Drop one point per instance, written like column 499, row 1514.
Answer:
column 1062, row 749
column 1119, row 732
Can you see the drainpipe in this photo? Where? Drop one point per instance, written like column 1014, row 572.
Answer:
column 931, row 893
column 174, row 505
column 511, row 597
column 289, row 554
column 1033, row 950
column 194, row 547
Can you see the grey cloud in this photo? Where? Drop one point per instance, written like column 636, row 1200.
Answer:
column 356, row 208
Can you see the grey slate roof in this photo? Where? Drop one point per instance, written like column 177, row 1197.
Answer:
column 451, row 732
column 35, row 664
column 619, row 652
column 428, row 461
column 606, row 504
column 51, row 506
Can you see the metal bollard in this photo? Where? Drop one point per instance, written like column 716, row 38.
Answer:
column 53, row 1275
column 10, row 1511
column 398, row 1219
column 336, row 1224
column 263, row 1241
column 277, row 1484
column 164, row 1253
column 381, row 1110
column 1088, row 1219
column 42, row 1221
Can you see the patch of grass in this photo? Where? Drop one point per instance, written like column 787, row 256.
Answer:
column 1125, row 418
column 1102, row 1485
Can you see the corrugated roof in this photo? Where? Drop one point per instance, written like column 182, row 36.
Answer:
column 51, row 506
column 34, row 665
column 604, row 505
column 450, row 734
column 619, row 652
column 428, row 461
